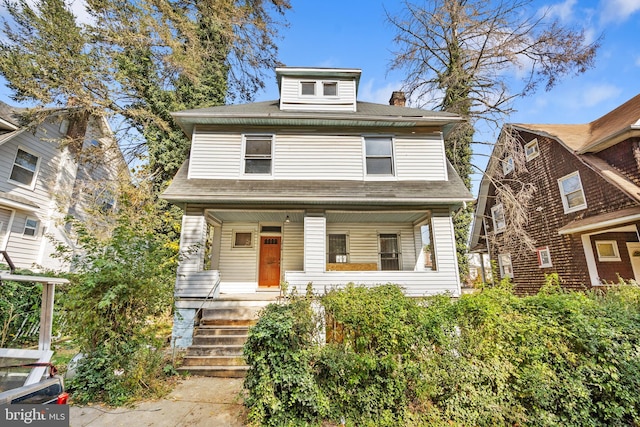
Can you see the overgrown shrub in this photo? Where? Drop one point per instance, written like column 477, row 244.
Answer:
column 121, row 287
column 280, row 381
column 557, row 358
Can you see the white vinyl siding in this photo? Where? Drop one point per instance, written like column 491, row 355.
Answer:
column 418, row 158
column 238, row 264
column 363, row 241
column 291, row 97
column 363, row 248
column 292, row 246
column 216, row 155
column 22, row 249
column 315, row 230
column 318, row 157
column 192, row 238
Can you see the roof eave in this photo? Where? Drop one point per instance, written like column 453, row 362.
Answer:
column 611, row 140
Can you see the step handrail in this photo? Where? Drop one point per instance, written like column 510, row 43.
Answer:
column 7, row 258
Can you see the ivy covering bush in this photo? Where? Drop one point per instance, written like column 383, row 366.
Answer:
column 557, row 358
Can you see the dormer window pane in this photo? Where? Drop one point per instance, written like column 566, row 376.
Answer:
column 308, row 88
column 330, row 89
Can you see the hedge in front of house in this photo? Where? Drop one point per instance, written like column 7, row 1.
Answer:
column 553, row 359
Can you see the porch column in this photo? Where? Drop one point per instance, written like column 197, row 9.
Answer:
column 591, row 259
column 192, row 241
column 315, row 232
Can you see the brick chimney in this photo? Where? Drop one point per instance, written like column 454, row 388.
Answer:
column 398, row 99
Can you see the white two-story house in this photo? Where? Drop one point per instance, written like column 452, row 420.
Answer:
column 50, row 170
column 318, row 188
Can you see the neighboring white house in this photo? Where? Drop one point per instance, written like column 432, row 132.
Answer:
column 42, row 180
column 317, row 188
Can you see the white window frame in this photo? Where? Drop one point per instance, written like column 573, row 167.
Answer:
column 544, row 257
column 35, row 228
column 535, row 152
column 234, row 244
column 608, row 258
column 32, row 184
column 257, row 157
column 563, row 196
column 392, row 156
column 507, row 165
column 494, row 209
column 503, row 271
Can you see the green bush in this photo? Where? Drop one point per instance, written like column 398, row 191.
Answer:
column 553, row 359
column 121, row 289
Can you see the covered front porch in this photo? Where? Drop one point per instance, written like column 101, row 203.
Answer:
column 246, row 251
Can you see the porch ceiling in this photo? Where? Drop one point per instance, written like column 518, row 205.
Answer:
column 298, row 216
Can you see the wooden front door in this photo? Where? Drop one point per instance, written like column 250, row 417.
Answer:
column 269, row 261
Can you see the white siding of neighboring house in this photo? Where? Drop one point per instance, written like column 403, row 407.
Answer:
column 315, row 229
column 26, row 251
column 291, row 99
column 316, row 157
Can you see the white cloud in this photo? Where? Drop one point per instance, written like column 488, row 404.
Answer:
column 618, row 10
column 596, row 94
column 563, row 11
column 378, row 94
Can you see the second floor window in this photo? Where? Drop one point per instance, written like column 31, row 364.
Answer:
column 497, row 214
column 257, row 154
column 571, row 192
column 24, row 168
column 379, row 155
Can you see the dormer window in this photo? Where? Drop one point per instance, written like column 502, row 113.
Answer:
column 308, row 88
column 330, row 88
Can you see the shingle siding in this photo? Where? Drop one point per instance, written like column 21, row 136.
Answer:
column 567, row 254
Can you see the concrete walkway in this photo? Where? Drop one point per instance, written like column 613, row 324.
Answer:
column 196, row 401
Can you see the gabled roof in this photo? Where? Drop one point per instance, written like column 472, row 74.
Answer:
column 608, row 130
column 313, row 192
column 268, row 113
column 8, row 117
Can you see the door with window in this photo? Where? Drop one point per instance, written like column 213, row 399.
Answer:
column 389, row 252
column 269, row 270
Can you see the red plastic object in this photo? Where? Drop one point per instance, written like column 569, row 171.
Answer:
column 63, row 398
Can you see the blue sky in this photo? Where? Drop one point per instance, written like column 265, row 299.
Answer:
column 355, row 34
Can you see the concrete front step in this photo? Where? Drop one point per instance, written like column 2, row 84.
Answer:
column 221, row 330
column 214, row 350
column 213, row 361
column 216, row 371
column 219, row 339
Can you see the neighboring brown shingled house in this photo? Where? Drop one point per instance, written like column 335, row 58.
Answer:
column 585, row 211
